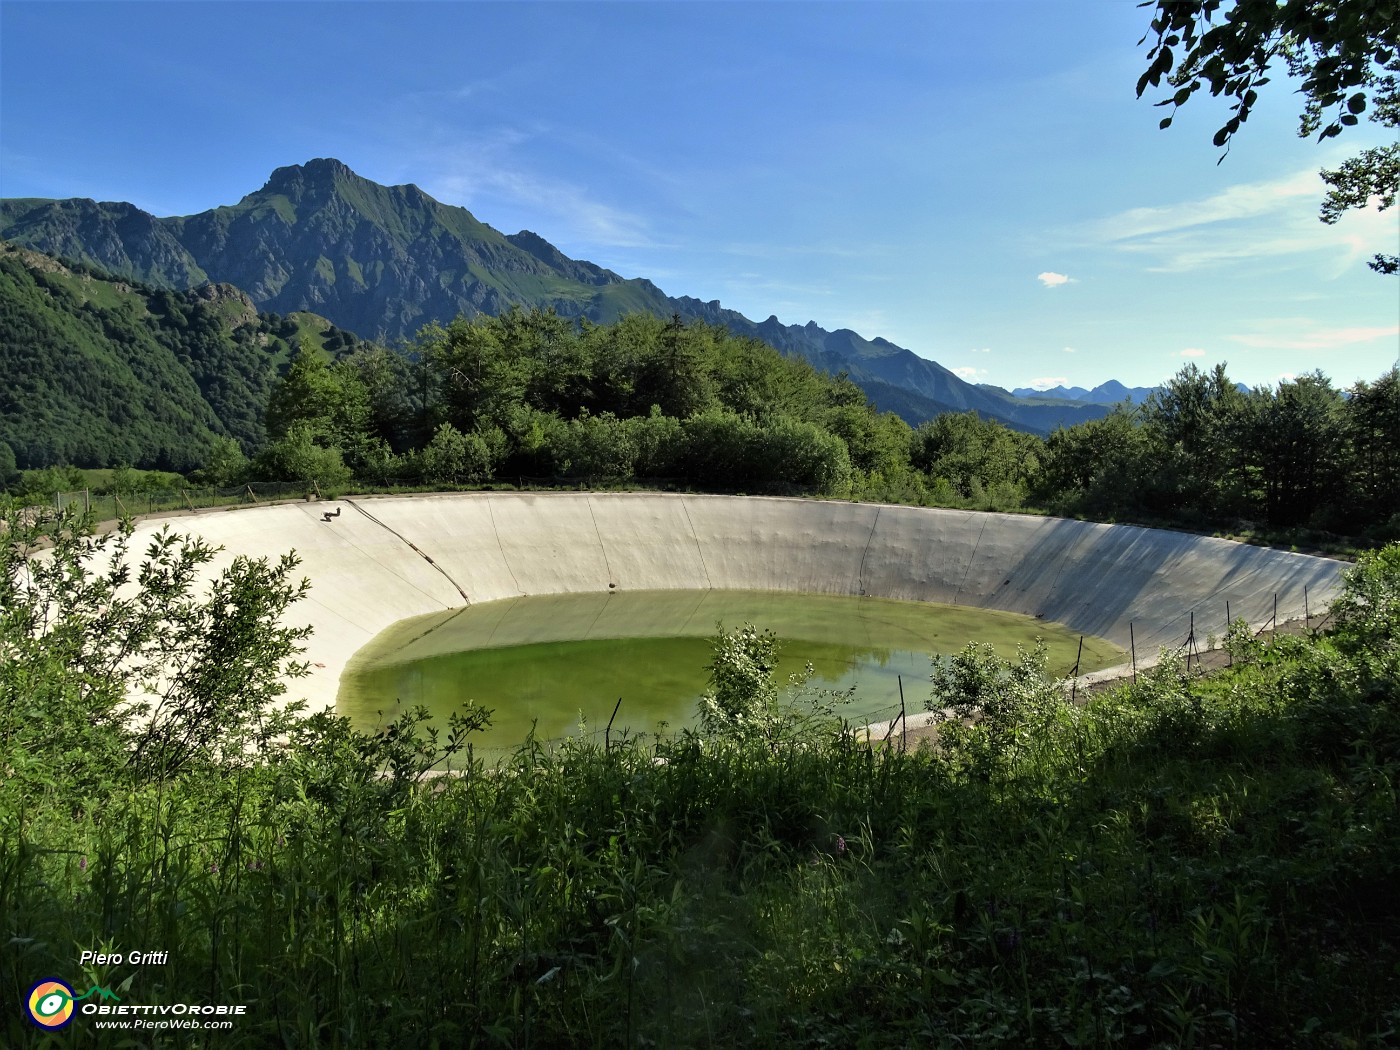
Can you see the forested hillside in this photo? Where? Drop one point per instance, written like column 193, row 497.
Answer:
column 382, row 261
column 100, row 372
column 103, row 372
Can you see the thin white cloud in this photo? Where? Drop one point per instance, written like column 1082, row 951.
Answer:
column 981, row 349
column 969, row 372
column 1068, row 350
column 1248, row 200
column 571, row 205
column 1317, row 338
column 1192, row 351
column 1250, row 221
column 1051, row 279
column 461, row 93
column 786, row 251
column 746, row 283
column 491, row 174
column 1046, row 382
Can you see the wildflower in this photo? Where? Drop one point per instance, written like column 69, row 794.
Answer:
column 214, row 868
column 840, row 845
column 82, row 863
column 255, row 865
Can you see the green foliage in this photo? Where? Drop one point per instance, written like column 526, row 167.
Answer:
column 1198, row 429
column 1346, row 53
column 531, row 395
column 330, row 400
column 389, row 381
column 1370, row 601
column 454, row 457
column 992, row 711
column 1188, row 861
column 745, row 701
column 877, row 444
column 1301, row 441
column 742, row 687
column 1373, row 423
column 803, row 455
column 973, row 456
column 226, row 465
column 41, row 485
column 639, row 398
column 1098, row 468
column 301, row 455
column 101, row 372
column 598, row 446
column 1200, row 450
column 100, row 680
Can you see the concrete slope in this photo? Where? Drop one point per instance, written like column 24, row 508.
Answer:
column 383, row 559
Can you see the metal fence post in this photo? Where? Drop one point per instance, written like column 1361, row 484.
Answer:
column 1228, row 621
column 607, row 733
column 903, row 721
column 1074, row 689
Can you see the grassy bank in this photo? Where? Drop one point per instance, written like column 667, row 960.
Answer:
column 1183, row 862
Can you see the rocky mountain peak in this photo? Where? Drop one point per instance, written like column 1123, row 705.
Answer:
column 383, row 260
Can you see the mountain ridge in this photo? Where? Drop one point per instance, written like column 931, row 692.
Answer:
column 1110, row 393
column 381, row 261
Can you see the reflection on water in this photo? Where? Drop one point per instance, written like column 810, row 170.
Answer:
column 556, row 662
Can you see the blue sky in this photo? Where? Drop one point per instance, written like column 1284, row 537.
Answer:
column 974, row 181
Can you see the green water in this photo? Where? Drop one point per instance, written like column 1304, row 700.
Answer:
column 557, row 661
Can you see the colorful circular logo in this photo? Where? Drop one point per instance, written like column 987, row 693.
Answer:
column 51, row 1004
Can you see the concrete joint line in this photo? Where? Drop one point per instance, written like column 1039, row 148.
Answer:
column 1070, row 548
column 413, row 547
column 971, row 560
column 496, row 531
column 607, row 566
column 709, row 584
column 399, row 576
column 860, row 582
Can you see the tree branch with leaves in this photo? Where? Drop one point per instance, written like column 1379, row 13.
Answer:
column 1345, row 53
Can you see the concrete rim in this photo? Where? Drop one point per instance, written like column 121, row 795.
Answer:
column 373, row 561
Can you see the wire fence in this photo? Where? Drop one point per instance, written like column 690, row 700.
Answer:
column 894, row 721
column 117, row 505
column 890, row 726
column 111, row 505
column 106, row 505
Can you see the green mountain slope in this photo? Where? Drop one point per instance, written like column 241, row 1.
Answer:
column 384, row 260
column 98, row 371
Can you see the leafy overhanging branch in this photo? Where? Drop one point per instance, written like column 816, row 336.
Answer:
column 1345, row 53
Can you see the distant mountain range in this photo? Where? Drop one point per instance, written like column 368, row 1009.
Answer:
column 381, row 261
column 1110, row 393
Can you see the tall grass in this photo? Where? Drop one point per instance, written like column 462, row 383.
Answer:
column 1186, row 862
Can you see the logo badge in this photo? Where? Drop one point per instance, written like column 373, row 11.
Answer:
column 51, row 1004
